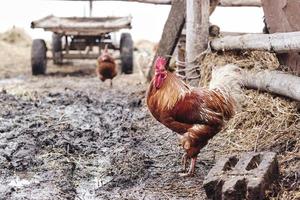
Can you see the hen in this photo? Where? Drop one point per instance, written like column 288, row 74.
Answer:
column 197, row 114
column 106, row 66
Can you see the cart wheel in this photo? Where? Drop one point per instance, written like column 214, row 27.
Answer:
column 56, row 48
column 38, row 57
column 126, row 51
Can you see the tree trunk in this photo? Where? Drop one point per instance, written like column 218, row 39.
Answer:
column 171, row 33
column 276, row 82
column 276, row 42
column 197, row 24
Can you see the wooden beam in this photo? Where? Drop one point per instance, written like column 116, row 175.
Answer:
column 226, row 33
column 224, row 3
column 80, row 56
column 276, row 42
column 197, row 24
column 171, row 33
column 276, row 82
column 161, row 2
column 239, row 3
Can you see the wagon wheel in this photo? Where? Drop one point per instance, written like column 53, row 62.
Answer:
column 38, row 57
column 56, row 48
column 126, row 51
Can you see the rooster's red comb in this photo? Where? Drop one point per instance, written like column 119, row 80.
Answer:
column 160, row 63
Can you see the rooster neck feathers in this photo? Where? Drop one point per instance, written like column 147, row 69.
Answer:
column 167, row 88
column 171, row 91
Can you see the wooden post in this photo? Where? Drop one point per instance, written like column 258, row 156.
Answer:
column 171, row 33
column 91, row 7
column 181, row 57
column 197, row 24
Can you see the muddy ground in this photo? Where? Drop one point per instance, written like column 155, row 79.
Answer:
column 67, row 135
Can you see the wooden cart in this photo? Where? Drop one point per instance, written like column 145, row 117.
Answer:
column 78, row 37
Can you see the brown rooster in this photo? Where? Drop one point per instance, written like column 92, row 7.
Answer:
column 106, row 68
column 197, row 114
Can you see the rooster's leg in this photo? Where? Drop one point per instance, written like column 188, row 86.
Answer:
column 184, row 162
column 111, row 84
column 191, row 171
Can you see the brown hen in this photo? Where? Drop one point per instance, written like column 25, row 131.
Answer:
column 106, row 66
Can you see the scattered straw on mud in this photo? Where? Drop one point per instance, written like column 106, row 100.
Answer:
column 266, row 122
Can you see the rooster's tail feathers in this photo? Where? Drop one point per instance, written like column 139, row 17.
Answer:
column 228, row 80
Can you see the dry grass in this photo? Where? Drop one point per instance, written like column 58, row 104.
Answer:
column 16, row 36
column 265, row 123
column 15, row 53
column 251, row 60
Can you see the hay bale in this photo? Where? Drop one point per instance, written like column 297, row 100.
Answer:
column 251, row 60
column 16, row 36
column 266, row 122
column 144, row 56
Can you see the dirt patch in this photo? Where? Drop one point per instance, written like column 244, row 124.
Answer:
column 73, row 143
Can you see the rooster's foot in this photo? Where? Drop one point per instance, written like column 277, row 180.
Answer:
column 191, row 171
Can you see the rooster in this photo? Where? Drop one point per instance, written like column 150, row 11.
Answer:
column 197, row 114
column 106, row 68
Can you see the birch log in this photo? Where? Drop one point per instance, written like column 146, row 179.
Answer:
column 197, row 24
column 233, row 3
column 276, row 42
column 273, row 81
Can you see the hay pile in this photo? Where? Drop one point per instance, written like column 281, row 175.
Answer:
column 266, row 122
column 143, row 57
column 15, row 53
column 16, row 36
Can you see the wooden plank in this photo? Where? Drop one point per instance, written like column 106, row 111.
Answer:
column 283, row 16
column 276, row 42
column 197, row 24
column 82, row 23
column 224, row 3
column 171, row 33
column 80, row 56
column 161, row 2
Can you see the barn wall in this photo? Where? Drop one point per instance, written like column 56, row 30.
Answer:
column 284, row 16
